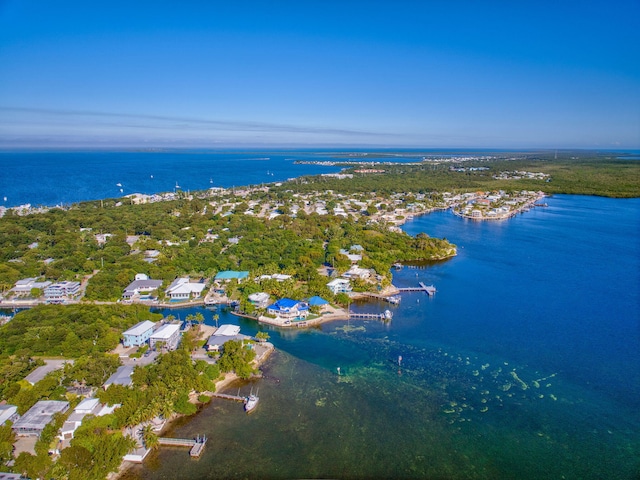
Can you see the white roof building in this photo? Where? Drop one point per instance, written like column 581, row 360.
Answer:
column 183, row 289
column 260, row 299
column 25, row 285
column 222, row 335
column 142, row 286
column 227, row 330
column 339, row 285
column 357, row 272
column 168, row 334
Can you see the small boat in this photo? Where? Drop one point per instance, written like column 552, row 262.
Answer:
column 251, row 402
column 118, row 184
column 394, row 299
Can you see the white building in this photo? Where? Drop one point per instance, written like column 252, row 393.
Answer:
column 357, row 272
column 168, row 335
column 339, row 285
column 222, row 335
column 259, row 300
column 24, row 286
column 183, row 289
column 61, row 291
column 84, row 408
column 141, row 287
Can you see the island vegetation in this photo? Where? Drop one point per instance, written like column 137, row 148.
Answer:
column 300, row 229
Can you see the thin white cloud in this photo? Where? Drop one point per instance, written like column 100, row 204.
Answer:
column 169, row 122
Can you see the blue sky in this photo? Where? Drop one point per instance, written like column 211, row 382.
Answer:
column 433, row 74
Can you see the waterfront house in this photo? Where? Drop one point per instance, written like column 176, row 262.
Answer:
column 38, row 417
column 183, row 289
column 339, row 285
column 222, row 335
column 288, row 309
column 259, row 300
column 141, row 288
column 138, row 334
column 357, row 272
column 61, row 291
column 167, row 336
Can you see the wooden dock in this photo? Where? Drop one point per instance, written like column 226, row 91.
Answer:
column 428, row 289
column 236, row 398
column 197, row 444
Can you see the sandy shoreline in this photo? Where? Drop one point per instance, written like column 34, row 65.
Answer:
column 263, row 352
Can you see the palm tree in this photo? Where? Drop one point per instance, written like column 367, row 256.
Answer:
column 216, row 317
column 149, row 437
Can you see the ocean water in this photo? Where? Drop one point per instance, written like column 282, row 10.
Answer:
column 54, row 178
column 525, row 364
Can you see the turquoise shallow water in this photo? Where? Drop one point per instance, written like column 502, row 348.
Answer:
column 525, row 364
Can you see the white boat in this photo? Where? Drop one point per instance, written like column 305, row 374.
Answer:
column 394, row 299
column 251, row 402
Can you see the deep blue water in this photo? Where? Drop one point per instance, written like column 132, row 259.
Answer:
column 550, row 296
column 53, row 178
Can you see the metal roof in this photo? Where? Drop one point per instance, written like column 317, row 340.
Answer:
column 139, row 328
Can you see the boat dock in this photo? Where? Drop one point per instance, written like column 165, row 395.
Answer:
column 386, row 315
column 197, row 444
column 236, row 398
column 428, row 289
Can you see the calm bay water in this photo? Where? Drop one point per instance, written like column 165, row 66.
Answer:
column 54, row 178
column 525, row 364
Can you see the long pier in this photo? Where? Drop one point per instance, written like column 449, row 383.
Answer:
column 387, row 315
column 197, row 444
column 236, row 398
column 428, row 289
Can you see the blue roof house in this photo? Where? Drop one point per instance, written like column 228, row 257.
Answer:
column 289, row 309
